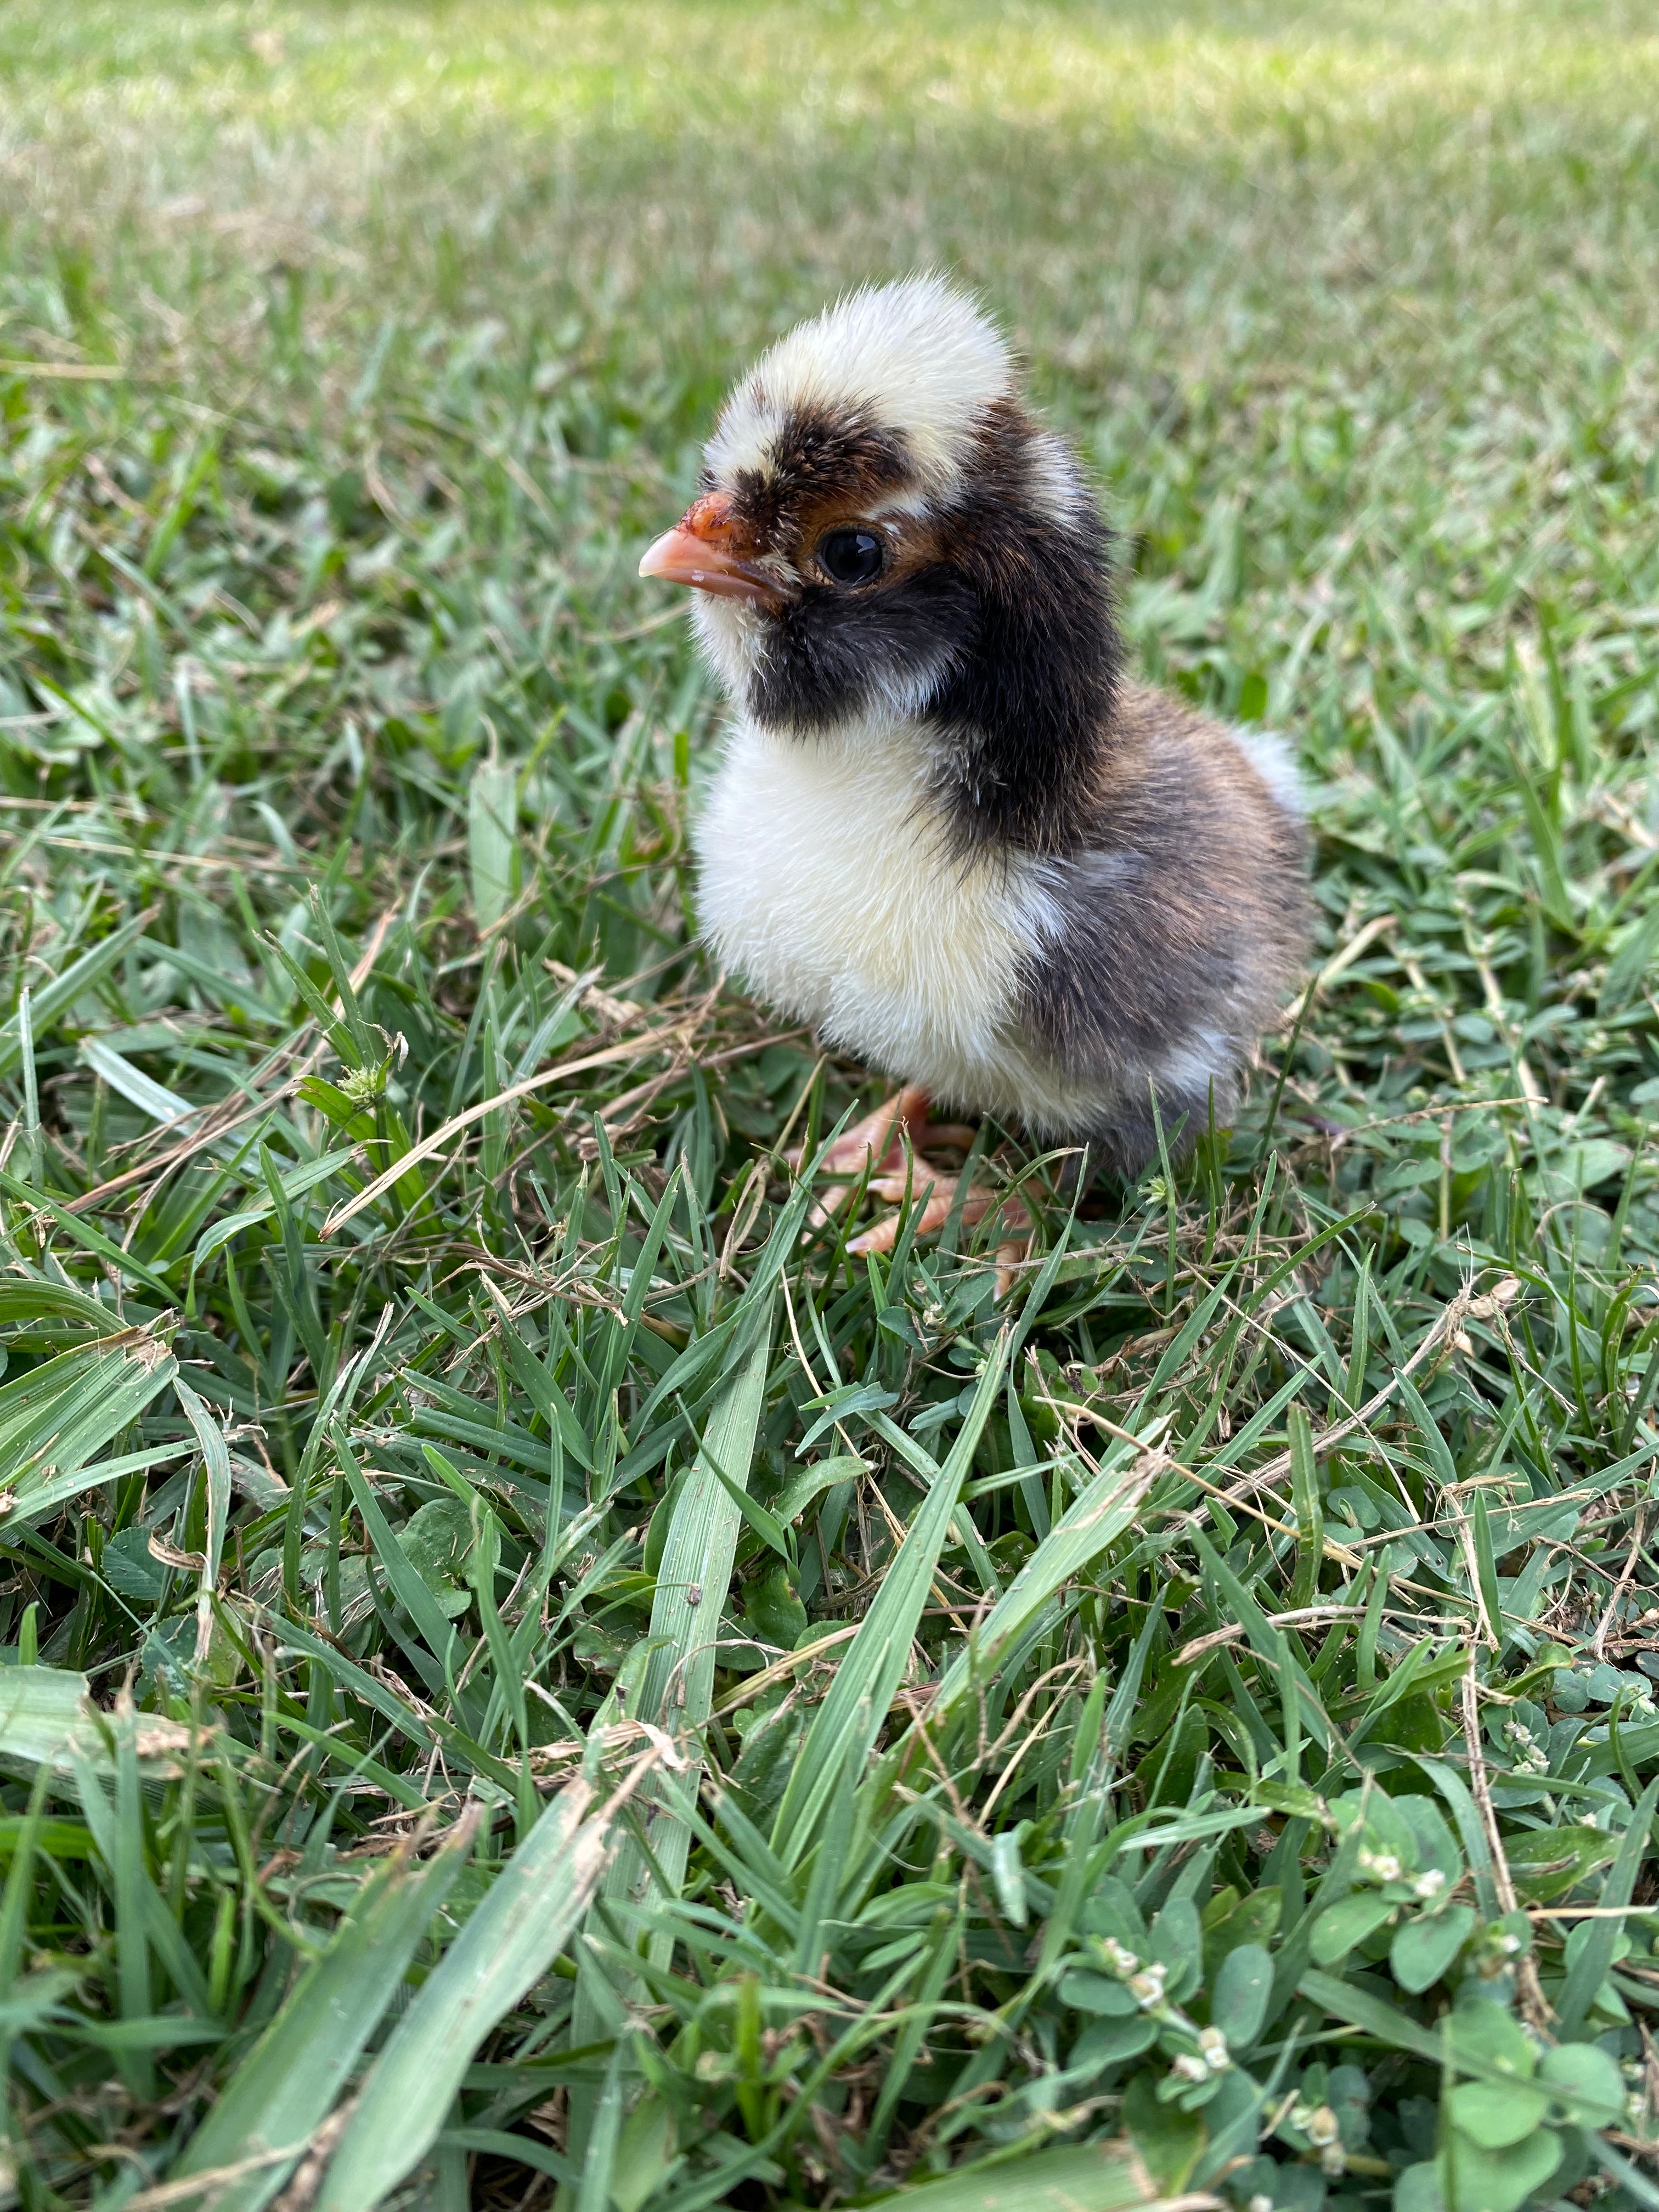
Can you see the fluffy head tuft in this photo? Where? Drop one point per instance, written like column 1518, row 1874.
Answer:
column 918, row 358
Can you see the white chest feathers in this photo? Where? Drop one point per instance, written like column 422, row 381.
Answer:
column 827, row 886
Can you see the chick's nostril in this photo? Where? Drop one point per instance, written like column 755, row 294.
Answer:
column 710, row 518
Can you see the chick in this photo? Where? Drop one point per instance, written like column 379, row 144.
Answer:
column 947, row 830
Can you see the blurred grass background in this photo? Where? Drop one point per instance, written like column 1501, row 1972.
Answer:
column 349, row 355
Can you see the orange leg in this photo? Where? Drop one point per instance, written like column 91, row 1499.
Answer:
column 878, row 1143
column 937, row 1191
column 877, row 1139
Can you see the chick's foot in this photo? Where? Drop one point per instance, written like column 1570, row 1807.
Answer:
column 877, row 1144
column 936, row 1189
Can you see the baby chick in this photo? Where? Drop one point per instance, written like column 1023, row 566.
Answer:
column 948, row 830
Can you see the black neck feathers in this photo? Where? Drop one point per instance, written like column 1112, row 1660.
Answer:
column 1026, row 710
column 998, row 642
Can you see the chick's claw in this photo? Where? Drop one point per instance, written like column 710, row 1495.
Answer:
column 1012, row 1255
column 953, row 1136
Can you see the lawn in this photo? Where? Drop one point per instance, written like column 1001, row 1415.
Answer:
column 529, row 1672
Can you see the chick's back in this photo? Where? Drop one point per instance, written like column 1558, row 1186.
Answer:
column 1183, row 919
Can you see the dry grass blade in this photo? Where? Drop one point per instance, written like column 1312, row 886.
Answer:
column 630, row 1048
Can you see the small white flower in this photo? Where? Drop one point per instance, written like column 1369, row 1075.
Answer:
column 1191, row 2068
column 1259, row 2203
column 1531, row 1757
column 1213, row 2044
column 1334, row 2160
column 1147, row 1986
column 1321, row 2127
column 1508, row 1945
column 1429, row 1886
column 1122, row 1961
column 1384, row 1864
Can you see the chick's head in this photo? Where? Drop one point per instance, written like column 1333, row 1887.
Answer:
column 879, row 523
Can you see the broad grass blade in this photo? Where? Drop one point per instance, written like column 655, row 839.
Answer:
column 1086, row 2178
column 692, row 1579
column 285, row 2087
column 47, row 1719
column 56, row 1419
column 41, row 1709
column 847, row 1722
column 492, row 814
column 507, row 1944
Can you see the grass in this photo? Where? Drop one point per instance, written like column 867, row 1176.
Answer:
column 428, row 1441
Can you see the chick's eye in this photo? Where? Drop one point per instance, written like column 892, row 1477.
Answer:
column 851, row 556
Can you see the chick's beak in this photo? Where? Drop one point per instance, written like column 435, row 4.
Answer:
column 704, row 550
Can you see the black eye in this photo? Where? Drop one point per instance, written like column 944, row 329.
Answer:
column 851, row 556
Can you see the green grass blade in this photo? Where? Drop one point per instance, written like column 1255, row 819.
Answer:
column 692, row 1579
column 43, row 1711
column 76, row 982
column 1105, row 2177
column 408, row 1586
column 1589, row 1969
column 505, row 1945
column 492, row 844
column 845, row 1725
column 286, row 2086
column 1309, row 1519
column 217, row 1459
column 1092, row 1522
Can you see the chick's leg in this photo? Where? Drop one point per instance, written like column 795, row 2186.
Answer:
column 877, row 1139
column 937, row 1192
column 877, row 1144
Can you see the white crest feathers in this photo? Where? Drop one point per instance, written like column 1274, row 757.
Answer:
column 918, row 358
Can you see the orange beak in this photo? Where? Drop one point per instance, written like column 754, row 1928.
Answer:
column 703, row 549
